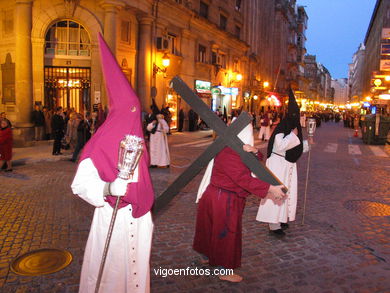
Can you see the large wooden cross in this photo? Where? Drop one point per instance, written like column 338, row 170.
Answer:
column 227, row 136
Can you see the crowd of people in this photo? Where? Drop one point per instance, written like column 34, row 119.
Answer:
column 69, row 129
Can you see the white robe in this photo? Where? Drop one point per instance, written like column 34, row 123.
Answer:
column 270, row 212
column 265, row 131
column 158, row 145
column 127, row 268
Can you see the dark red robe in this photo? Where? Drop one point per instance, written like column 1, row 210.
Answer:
column 6, row 144
column 219, row 219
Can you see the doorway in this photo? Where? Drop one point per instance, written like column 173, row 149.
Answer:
column 68, row 87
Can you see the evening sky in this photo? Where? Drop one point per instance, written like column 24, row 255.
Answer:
column 335, row 30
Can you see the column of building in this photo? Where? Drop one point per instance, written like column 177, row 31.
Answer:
column 144, row 73
column 23, row 65
column 111, row 9
column 188, row 65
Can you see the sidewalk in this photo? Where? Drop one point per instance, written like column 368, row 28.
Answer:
column 41, row 151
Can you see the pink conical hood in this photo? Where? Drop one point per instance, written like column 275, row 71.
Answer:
column 124, row 118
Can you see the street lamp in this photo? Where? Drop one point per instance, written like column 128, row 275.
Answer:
column 233, row 77
column 165, row 62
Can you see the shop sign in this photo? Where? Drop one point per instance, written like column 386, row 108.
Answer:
column 385, row 49
column 385, row 65
column 202, row 86
column 228, row 90
column 385, row 33
column 204, row 95
column 216, row 91
column 366, row 104
column 234, row 91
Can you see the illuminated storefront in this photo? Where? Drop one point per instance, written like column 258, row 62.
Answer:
column 173, row 102
column 225, row 98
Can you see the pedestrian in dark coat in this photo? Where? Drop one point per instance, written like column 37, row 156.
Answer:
column 58, row 128
column 191, row 120
column 38, row 119
column 83, row 134
column 181, row 120
column 48, row 114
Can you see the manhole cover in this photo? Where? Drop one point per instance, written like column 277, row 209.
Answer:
column 41, row 262
column 368, row 208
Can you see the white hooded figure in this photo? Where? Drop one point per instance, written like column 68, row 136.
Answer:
column 159, row 150
column 284, row 149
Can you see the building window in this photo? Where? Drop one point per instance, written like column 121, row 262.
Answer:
column 214, row 59
column 222, row 22
column 67, row 37
column 172, row 44
column 125, row 31
column 237, row 31
column 202, row 54
column 235, row 65
column 204, row 10
column 222, row 60
column 238, row 5
column 8, row 22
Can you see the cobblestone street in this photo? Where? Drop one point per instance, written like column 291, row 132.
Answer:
column 343, row 246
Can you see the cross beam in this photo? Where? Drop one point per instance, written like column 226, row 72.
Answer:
column 227, row 136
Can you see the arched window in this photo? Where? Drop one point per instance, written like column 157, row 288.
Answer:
column 67, row 37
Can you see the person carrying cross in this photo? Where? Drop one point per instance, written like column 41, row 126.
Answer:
column 221, row 201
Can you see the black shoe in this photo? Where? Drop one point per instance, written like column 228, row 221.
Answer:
column 5, row 166
column 72, row 160
column 277, row 233
column 59, row 153
column 8, row 170
column 284, row 226
column 153, row 166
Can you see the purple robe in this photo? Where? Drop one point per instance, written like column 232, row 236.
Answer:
column 219, row 219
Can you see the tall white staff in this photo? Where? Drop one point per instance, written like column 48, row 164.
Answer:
column 130, row 151
column 311, row 128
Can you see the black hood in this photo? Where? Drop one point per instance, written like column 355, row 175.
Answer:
column 291, row 121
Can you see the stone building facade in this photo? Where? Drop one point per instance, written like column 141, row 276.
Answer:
column 275, row 32
column 355, row 75
column 340, row 87
column 224, row 50
column 377, row 59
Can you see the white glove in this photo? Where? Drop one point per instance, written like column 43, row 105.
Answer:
column 118, row 187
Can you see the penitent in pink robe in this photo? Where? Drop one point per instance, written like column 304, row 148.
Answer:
column 219, row 218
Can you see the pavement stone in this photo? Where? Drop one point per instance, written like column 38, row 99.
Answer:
column 340, row 248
